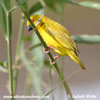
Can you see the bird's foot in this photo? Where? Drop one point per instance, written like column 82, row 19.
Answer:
column 55, row 58
column 46, row 51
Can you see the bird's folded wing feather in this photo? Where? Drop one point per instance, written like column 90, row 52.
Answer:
column 60, row 34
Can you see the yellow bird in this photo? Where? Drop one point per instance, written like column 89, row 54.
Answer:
column 56, row 37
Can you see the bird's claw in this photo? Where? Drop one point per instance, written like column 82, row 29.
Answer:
column 52, row 63
column 46, row 51
column 55, row 58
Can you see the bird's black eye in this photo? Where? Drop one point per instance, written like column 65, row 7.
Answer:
column 30, row 28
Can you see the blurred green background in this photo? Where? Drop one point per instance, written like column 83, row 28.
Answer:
column 78, row 20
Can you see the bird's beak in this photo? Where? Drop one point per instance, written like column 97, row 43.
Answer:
column 30, row 28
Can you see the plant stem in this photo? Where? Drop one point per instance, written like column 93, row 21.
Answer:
column 69, row 94
column 9, row 28
column 19, row 44
column 51, row 80
column 10, row 68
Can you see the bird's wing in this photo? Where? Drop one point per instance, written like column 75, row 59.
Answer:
column 60, row 34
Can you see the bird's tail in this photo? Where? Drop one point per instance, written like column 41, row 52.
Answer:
column 74, row 57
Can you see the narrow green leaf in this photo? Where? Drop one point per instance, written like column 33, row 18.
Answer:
column 51, row 3
column 93, row 39
column 38, row 6
column 3, row 21
column 24, row 4
column 89, row 4
column 3, row 66
column 52, row 90
column 6, row 18
column 46, row 94
column 35, row 8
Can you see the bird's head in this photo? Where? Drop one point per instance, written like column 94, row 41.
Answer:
column 34, row 19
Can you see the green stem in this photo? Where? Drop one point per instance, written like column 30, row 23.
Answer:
column 51, row 80
column 9, row 28
column 10, row 68
column 69, row 94
column 19, row 44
